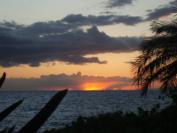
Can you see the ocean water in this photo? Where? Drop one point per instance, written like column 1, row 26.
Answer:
column 76, row 103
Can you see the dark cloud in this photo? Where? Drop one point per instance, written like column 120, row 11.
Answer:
column 64, row 40
column 118, row 3
column 162, row 11
column 57, row 41
column 101, row 20
column 173, row 3
column 152, row 14
column 63, row 81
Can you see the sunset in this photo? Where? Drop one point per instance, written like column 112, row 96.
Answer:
column 88, row 66
column 92, row 37
column 96, row 86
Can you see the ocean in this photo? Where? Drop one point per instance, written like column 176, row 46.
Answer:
column 76, row 103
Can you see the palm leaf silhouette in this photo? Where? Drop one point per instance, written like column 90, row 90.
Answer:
column 2, row 79
column 158, row 58
column 33, row 125
column 8, row 110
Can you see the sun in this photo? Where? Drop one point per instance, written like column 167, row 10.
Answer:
column 95, row 86
column 92, row 87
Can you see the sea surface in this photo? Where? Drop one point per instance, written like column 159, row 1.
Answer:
column 76, row 103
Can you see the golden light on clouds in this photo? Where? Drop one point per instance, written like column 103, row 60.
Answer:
column 117, row 65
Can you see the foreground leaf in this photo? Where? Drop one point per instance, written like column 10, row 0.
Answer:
column 2, row 79
column 44, row 114
column 8, row 110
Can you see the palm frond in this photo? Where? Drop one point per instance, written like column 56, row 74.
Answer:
column 158, row 58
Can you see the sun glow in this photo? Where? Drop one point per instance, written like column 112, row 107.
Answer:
column 96, row 86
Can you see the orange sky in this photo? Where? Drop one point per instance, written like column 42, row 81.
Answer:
column 117, row 65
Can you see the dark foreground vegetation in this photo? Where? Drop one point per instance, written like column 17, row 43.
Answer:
column 153, row 121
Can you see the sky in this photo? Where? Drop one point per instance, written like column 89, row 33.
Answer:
column 78, row 44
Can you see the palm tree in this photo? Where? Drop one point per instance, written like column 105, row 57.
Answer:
column 158, row 58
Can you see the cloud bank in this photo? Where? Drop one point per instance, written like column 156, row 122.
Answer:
column 65, row 40
column 81, row 20
column 64, row 81
column 57, row 41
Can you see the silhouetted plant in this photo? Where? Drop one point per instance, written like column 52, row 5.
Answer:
column 8, row 130
column 158, row 58
column 2, row 79
column 8, row 110
column 44, row 114
column 144, row 121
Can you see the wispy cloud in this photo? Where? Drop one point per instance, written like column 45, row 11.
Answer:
column 118, row 3
column 162, row 11
column 155, row 14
